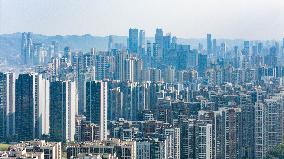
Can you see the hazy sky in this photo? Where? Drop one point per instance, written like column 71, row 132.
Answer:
column 250, row 19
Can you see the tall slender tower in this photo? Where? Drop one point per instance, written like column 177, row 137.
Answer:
column 63, row 103
column 209, row 44
column 96, row 105
column 7, row 105
column 158, row 46
column 133, row 41
column 27, row 48
column 142, row 42
column 110, row 42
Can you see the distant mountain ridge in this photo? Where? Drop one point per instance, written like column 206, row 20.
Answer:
column 10, row 44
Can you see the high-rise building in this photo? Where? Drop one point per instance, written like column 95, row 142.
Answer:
column 188, row 139
column 63, row 103
column 149, row 49
column 101, row 67
column 246, row 49
column 223, row 49
column 133, row 69
column 158, row 45
column 268, row 121
column 43, row 102
column 197, row 139
column 119, row 73
column 169, row 75
column 157, row 51
column 203, row 140
column 39, row 54
column 55, row 48
column 214, row 46
column 143, row 149
column 133, row 41
column 166, row 44
column 259, row 130
column 31, row 108
column 209, row 44
column 96, row 105
column 158, row 148
column 159, row 37
column 192, row 57
column 67, row 54
column 152, row 74
column 202, row 64
column 7, row 105
column 247, row 108
column 27, row 48
column 227, row 142
column 142, row 42
column 173, row 135
column 110, row 43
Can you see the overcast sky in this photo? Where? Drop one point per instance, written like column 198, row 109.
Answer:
column 248, row 19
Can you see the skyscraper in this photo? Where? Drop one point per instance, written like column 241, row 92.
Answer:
column 214, row 46
column 142, row 42
column 39, row 54
column 166, row 44
column 157, row 51
column 248, row 113
column 67, row 54
column 174, row 140
column 149, row 49
column 55, row 47
column 159, row 37
column 27, row 48
column 31, row 106
column 63, row 103
column 100, row 67
column 110, row 43
column 133, row 69
column 202, row 64
column 133, row 41
column 120, row 66
column 268, row 121
column 246, row 48
column 228, row 137
column 169, row 75
column 7, row 105
column 209, row 44
column 96, row 105
column 159, row 41
column 203, row 140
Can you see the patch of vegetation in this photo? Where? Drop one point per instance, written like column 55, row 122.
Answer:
column 4, row 147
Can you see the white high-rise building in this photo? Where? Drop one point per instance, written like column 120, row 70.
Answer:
column 43, row 102
column 259, row 130
column 174, row 142
column 203, row 140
